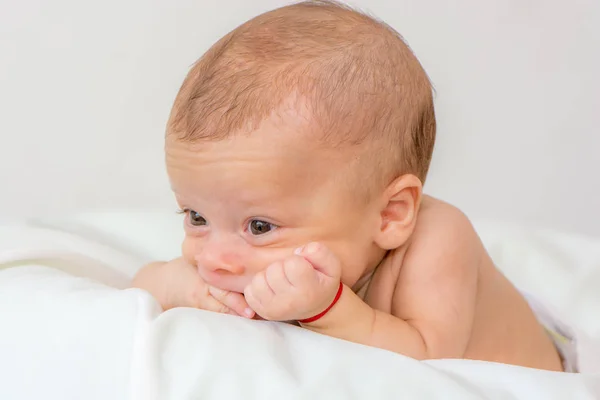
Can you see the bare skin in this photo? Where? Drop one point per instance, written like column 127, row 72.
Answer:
column 497, row 324
column 500, row 326
column 271, row 215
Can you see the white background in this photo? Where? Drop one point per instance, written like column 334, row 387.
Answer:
column 86, row 87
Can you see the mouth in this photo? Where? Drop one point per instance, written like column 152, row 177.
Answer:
column 225, row 281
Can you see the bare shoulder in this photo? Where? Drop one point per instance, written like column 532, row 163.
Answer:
column 436, row 291
column 443, row 252
column 435, row 213
column 443, row 226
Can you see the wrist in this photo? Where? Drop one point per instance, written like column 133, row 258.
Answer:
column 332, row 304
column 348, row 319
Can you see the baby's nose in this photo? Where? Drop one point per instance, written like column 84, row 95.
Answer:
column 219, row 262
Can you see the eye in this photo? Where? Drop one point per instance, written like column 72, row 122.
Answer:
column 196, row 219
column 258, row 227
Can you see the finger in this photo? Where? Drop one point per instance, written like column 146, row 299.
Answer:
column 321, row 258
column 209, row 303
column 254, row 303
column 200, row 297
column 276, row 278
column 259, row 294
column 233, row 300
column 299, row 272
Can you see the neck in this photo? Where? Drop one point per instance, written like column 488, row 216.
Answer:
column 395, row 256
column 362, row 284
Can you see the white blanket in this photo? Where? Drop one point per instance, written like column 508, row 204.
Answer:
column 70, row 331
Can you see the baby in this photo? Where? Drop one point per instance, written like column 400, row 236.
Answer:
column 297, row 149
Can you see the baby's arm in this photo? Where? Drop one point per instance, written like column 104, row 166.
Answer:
column 178, row 284
column 434, row 300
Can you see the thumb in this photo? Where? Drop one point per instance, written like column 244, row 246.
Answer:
column 322, row 259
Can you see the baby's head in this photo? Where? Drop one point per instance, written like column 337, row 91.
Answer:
column 311, row 122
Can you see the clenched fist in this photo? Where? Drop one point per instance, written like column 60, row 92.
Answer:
column 297, row 287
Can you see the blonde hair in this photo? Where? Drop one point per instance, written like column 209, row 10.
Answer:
column 360, row 80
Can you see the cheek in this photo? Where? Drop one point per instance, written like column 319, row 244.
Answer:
column 189, row 249
column 258, row 259
column 353, row 260
column 253, row 259
column 355, row 247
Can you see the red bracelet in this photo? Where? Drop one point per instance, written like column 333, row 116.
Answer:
column 318, row 316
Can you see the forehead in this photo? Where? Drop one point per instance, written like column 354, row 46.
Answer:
column 277, row 159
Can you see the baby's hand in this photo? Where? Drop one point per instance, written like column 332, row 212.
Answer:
column 178, row 284
column 299, row 287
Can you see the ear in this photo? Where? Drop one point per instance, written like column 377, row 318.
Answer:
column 400, row 205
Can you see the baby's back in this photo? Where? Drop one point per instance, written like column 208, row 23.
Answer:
column 505, row 329
column 496, row 321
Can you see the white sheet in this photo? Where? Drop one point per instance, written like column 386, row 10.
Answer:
column 68, row 337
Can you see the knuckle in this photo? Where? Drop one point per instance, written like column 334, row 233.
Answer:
column 294, row 264
column 227, row 298
column 259, row 277
column 314, row 248
column 260, row 291
column 291, row 261
column 223, row 309
column 216, row 293
column 278, row 265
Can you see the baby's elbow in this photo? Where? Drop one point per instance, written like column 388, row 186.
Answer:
column 441, row 345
